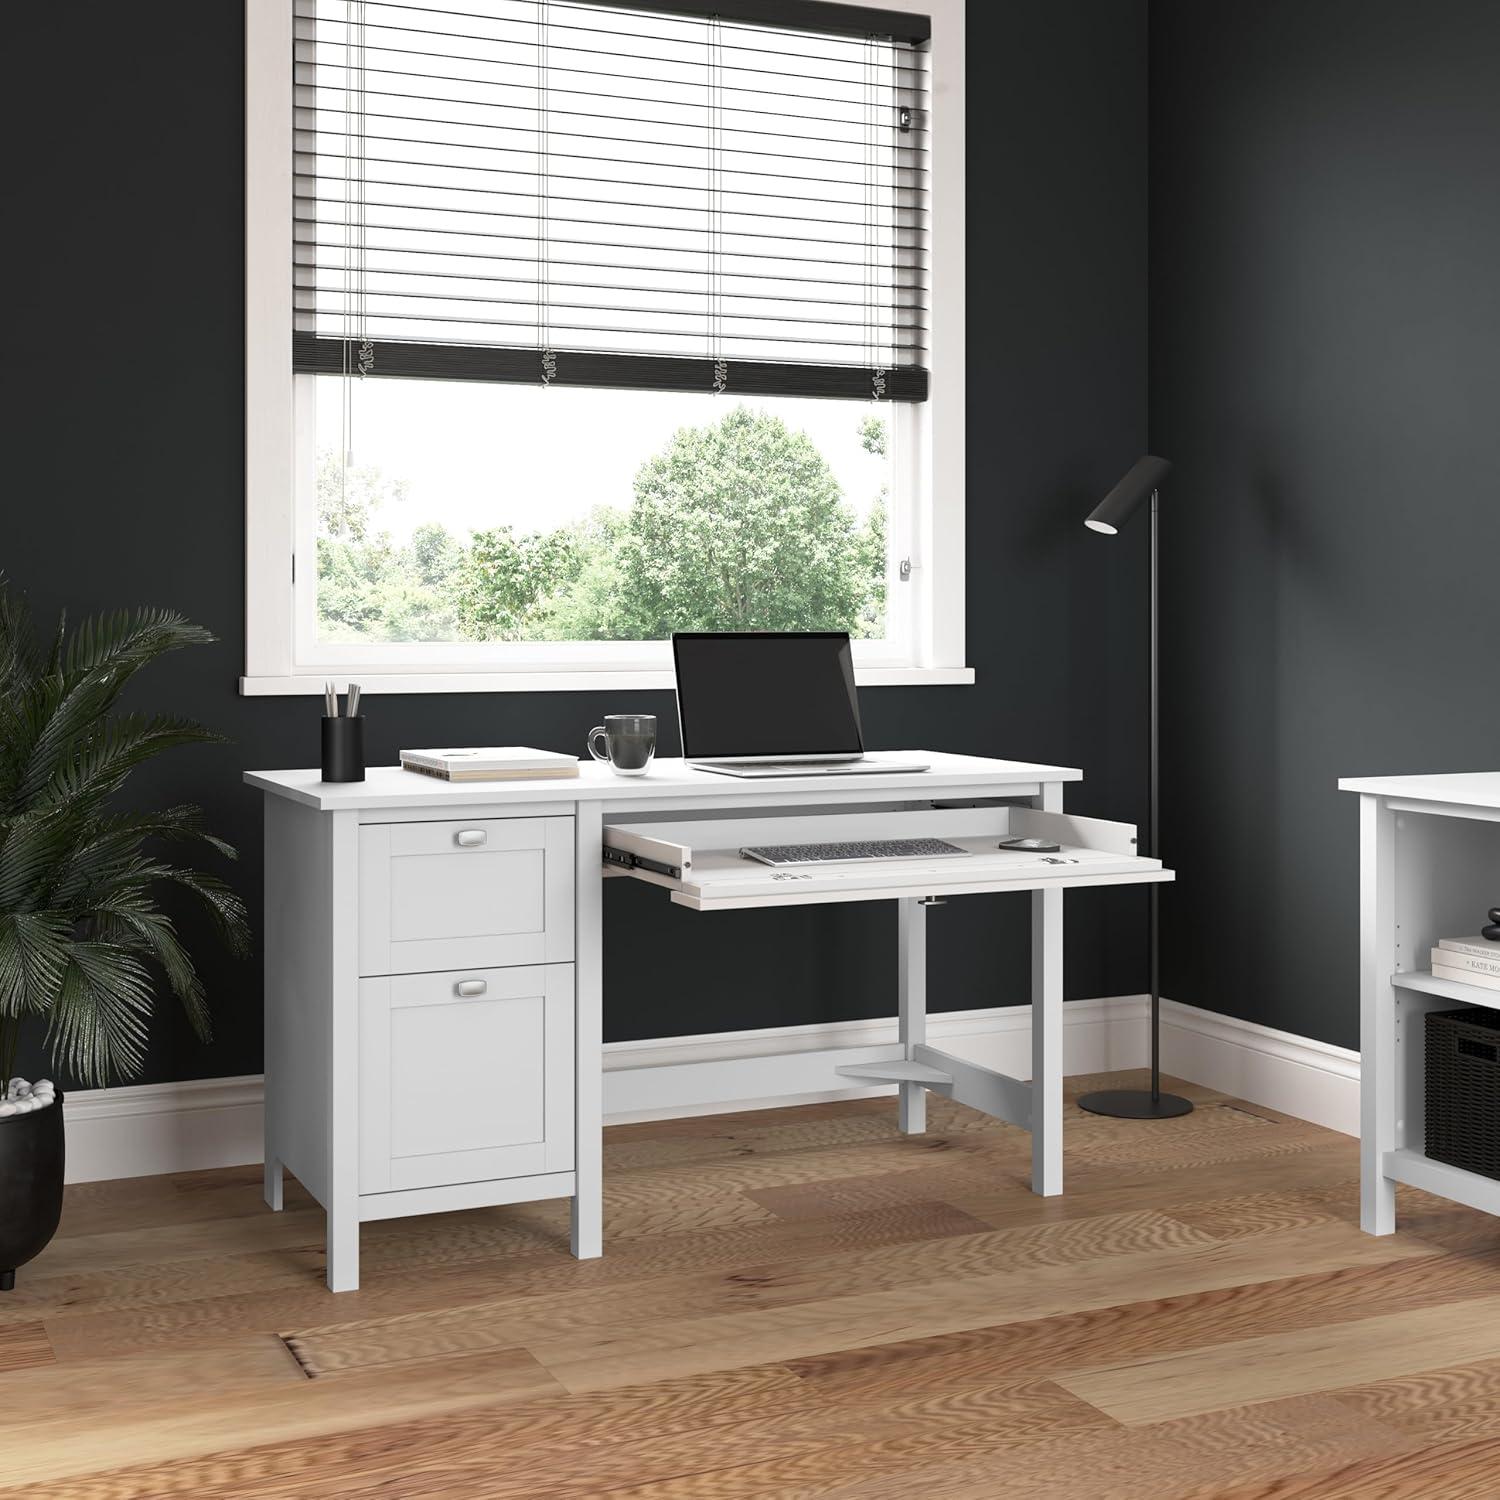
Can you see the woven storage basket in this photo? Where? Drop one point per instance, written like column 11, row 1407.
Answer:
column 1463, row 1088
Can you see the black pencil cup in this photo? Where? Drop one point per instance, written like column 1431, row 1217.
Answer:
column 344, row 749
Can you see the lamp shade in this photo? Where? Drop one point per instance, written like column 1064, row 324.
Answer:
column 1116, row 508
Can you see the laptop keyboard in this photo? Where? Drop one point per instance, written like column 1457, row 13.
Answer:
column 822, row 854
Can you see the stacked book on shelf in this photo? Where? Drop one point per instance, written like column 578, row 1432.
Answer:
column 1468, row 960
column 490, row 763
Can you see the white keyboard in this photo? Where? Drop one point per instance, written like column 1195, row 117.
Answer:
column 827, row 854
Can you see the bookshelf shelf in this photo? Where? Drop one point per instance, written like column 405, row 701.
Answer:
column 1419, row 1171
column 1424, row 981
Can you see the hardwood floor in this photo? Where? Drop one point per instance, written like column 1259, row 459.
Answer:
column 793, row 1303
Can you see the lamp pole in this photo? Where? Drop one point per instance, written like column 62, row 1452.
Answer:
column 1153, row 811
column 1122, row 502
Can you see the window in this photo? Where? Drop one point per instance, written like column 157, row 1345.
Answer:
column 600, row 321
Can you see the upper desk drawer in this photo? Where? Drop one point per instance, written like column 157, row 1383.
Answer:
column 480, row 893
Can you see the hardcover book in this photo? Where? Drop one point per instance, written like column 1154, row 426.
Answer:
column 1466, row 976
column 1473, row 963
column 1472, row 947
column 490, row 763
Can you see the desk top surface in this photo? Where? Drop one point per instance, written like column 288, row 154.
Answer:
column 667, row 780
column 1459, row 788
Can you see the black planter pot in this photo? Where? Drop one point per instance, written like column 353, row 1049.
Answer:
column 31, row 1186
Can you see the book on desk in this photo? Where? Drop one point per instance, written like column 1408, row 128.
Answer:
column 490, row 763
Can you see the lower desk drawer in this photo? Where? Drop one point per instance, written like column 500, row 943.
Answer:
column 465, row 1076
column 700, row 864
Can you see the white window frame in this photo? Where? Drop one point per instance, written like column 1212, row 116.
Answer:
column 929, row 441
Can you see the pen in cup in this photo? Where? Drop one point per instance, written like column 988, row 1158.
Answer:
column 352, row 706
column 330, row 701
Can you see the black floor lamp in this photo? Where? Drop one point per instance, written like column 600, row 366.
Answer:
column 1112, row 512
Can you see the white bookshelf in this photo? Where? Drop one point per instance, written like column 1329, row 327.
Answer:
column 1429, row 869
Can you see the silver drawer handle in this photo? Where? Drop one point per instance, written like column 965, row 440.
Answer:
column 469, row 987
column 467, row 838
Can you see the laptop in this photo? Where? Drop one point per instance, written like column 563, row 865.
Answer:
column 772, row 703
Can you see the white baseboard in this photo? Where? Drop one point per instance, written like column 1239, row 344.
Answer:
column 1294, row 1074
column 216, row 1122
column 144, row 1129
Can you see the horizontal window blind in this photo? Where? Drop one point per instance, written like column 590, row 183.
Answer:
column 596, row 194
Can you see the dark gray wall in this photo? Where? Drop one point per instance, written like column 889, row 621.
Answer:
column 123, row 477
column 1325, row 320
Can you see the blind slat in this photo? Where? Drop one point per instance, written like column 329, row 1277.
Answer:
column 743, row 38
column 916, row 282
column 914, row 193
column 765, row 203
column 576, row 284
column 554, row 176
column 793, row 18
column 307, row 65
column 624, row 369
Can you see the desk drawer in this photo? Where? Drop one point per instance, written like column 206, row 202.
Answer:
column 465, row 1077
column 476, row 893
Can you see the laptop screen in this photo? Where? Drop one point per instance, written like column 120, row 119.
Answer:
column 766, row 694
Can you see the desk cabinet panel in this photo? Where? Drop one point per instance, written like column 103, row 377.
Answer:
column 485, row 892
column 465, row 1076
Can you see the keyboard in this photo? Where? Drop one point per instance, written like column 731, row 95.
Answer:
column 827, row 854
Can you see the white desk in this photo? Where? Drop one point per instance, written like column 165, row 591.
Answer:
column 1429, row 868
column 434, row 965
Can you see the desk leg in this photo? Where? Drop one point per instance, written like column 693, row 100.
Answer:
column 343, row 1049
column 588, row 975
column 911, row 960
column 1377, row 1013
column 1046, row 1029
column 273, row 1180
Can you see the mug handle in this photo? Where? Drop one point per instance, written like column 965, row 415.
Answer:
column 598, row 733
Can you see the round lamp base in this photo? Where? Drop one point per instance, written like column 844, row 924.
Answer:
column 1135, row 1104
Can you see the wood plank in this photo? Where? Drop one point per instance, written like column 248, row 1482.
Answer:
column 556, row 1319
column 1080, row 1340
column 382, row 1457
column 1240, row 1371
column 634, row 1352
column 226, row 1412
column 404, row 1284
column 23, row 1346
column 1268, row 1445
column 1448, row 1471
column 1458, row 1403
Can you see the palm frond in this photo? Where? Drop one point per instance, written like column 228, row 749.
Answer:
column 124, row 642
column 33, row 956
column 101, row 763
column 32, row 848
column 132, row 921
column 224, row 905
column 98, row 1021
column 181, row 823
column 82, row 939
column 17, row 643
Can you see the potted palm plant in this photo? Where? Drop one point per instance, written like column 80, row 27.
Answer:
column 84, row 947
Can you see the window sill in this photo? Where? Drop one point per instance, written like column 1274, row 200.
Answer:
column 387, row 683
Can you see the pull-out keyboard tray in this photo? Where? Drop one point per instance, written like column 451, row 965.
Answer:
column 699, row 862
